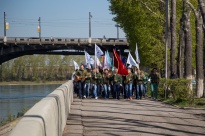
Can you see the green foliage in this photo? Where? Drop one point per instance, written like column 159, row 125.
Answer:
column 178, row 89
column 11, row 118
column 178, row 93
column 2, row 122
column 39, row 68
column 143, row 27
column 143, row 21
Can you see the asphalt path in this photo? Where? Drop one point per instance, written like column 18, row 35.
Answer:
column 90, row 117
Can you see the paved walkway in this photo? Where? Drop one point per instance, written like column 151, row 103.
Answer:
column 137, row 117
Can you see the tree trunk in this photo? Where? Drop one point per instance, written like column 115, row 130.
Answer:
column 199, row 55
column 168, row 57
column 188, row 45
column 173, row 36
column 181, row 50
column 199, row 51
column 202, row 9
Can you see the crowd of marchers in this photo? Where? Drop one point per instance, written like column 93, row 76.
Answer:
column 106, row 83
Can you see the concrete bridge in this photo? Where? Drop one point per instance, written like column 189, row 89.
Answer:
column 16, row 47
column 59, row 114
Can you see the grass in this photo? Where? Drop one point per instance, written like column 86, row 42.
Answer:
column 192, row 103
column 31, row 82
column 11, row 118
column 195, row 103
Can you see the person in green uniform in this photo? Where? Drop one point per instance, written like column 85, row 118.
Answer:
column 96, row 82
column 117, row 83
column 79, row 79
column 154, row 76
column 106, row 83
column 87, row 80
column 139, row 84
column 128, row 84
column 99, row 81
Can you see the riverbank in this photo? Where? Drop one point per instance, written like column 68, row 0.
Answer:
column 31, row 82
column 5, row 129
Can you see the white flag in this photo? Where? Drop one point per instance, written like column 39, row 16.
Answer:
column 75, row 65
column 92, row 61
column 131, row 61
column 88, row 66
column 88, row 58
column 98, row 62
column 137, row 55
column 98, row 51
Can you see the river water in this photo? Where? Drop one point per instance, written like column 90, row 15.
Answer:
column 16, row 98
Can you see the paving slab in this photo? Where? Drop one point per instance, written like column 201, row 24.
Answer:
column 90, row 117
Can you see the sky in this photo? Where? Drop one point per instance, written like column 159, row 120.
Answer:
column 59, row 18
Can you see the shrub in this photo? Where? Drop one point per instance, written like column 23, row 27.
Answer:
column 178, row 89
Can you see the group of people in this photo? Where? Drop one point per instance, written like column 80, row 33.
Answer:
column 105, row 83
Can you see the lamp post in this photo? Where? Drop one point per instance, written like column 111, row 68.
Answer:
column 117, row 30
column 90, row 16
column 5, row 28
column 166, row 39
column 39, row 27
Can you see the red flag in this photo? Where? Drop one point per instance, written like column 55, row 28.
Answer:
column 122, row 70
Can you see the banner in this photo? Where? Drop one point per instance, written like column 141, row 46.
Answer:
column 75, row 65
column 122, row 70
column 98, row 51
column 105, row 62
column 131, row 61
column 88, row 59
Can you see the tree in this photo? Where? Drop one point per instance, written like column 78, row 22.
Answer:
column 202, row 9
column 199, row 50
column 181, row 50
column 143, row 22
column 173, row 36
column 188, row 43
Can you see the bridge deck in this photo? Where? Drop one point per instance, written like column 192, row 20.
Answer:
column 136, row 117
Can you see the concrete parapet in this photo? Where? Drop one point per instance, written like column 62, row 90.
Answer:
column 48, row 116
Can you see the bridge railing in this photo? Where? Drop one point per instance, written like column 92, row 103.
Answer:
column 63, row 41
column 48, row 116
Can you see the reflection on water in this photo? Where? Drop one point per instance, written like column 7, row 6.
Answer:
column 15, row 98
